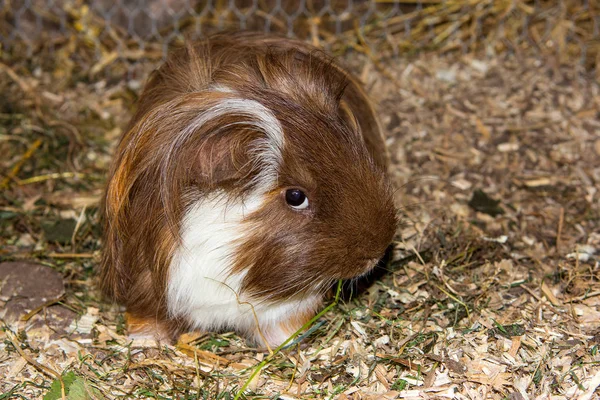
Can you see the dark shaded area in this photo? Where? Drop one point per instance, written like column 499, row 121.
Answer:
column 483, row 203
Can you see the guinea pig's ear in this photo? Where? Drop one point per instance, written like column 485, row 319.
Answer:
column 225, row 160
column 357, row 109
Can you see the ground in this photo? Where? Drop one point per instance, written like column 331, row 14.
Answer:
column 493, row 289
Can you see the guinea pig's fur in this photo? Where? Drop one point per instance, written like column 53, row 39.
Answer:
column 198, row 234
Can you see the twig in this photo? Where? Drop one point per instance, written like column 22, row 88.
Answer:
column 561, row 220
column 268, row 359
column 528, row 290
column 71, row 255
column 237, row 298
column 455, row 299
column 293, row 372
column 36, row 310
column 77, row 226
column 46, row 177
column 206, row 355
column 17, row 167
column 15, row 77
column 46, row 370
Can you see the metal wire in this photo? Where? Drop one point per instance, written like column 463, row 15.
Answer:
column 131, row 29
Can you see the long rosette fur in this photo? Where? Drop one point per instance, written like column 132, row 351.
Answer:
column 196, row 226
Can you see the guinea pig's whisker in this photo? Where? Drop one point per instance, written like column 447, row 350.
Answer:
column 420, row 205
column 420, row 179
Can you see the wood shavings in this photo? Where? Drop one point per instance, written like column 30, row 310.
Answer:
column 86, row 322
column 475, row 305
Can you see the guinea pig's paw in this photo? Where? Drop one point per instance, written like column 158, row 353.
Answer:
column 142, row 329
column 276, row 333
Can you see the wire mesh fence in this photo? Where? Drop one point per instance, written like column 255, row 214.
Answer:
column 129, row 30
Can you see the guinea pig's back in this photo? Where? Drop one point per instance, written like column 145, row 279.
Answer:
column 226, row 57
column 355, row 103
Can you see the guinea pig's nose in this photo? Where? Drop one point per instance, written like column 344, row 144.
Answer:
column 372, row 262
column 376, row 257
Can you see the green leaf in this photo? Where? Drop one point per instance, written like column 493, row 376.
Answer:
column 55, row 392
column 399, row 385
column 7, row 214
column 213, row 343
column 76, row 388
column 82, row 390
column 507, row 331
column 59, row 231
column 8, row 395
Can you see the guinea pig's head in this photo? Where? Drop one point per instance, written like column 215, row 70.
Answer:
column 277, row 133
column 326, row 210
column 328, row 213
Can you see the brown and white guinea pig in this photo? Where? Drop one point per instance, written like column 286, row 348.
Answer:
column 251, row 178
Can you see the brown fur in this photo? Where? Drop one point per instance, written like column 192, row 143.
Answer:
column 334, row 150
column 147, row 327
column 295, row 321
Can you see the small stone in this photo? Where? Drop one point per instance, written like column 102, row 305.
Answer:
column 134, row 85
column 381, row 341
column 479, row 66
column 27, row 286
column 25, row 240
column 446, row 75
column 462, row 184
column 583, row 253
column 500, row 239
column 579, row 256
column 508, row 147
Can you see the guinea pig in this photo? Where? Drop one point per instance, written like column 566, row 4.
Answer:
column 251, row 178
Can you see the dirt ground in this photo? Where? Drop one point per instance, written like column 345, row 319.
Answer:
column 494, row 286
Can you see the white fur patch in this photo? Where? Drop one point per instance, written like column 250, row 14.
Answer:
column 200, row 288
column 221, row 88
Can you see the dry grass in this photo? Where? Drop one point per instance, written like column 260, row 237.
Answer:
column 494, row 286
column 567, row 30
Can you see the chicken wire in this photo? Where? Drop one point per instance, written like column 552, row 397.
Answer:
column 130, row 30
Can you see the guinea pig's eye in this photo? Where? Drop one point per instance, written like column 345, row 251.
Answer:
column 296, row 199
